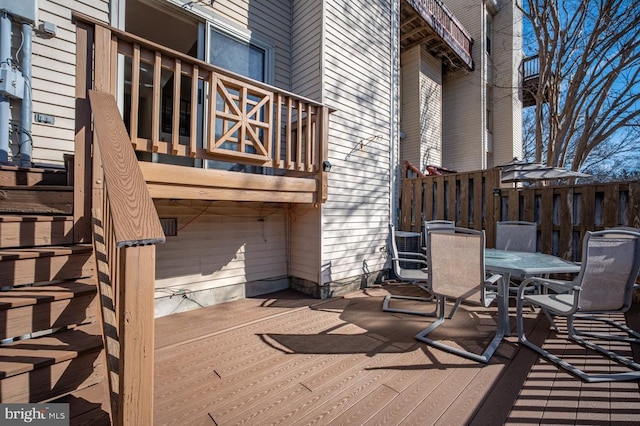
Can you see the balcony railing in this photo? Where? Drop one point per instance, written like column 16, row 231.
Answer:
column 446, row 27
column 530, row 68
column 180, row 106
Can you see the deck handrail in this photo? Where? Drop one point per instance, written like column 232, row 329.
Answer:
column 247, row 122
column 126, row 228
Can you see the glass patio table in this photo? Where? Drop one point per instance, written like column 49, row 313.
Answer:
column 524, row 265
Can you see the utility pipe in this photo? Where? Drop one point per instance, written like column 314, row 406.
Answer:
column 5, row 108
column 27, row 108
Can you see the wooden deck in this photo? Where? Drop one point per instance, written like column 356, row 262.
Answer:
column 285, row 359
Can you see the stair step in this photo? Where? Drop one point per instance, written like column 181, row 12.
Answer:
column 88, row 406
column 31, row 265
column 46, row 367
column 35, row 230
column 27, row 310
column 14, row 176
column 36, row 199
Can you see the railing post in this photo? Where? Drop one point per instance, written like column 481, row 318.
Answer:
column 82, row 142
column 323, row 153
column 136, row 330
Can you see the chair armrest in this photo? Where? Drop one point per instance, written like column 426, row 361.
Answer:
column 557, row 286
column 413, row 254
column 490, row 283
column 404, row 259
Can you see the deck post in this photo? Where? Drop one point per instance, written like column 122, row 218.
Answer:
column 136, row 330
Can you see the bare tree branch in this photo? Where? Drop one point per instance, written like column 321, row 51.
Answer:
column 588, row 94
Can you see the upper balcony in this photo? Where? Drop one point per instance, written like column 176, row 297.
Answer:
column 431, row 24
column 202, row 132
column 530, row 72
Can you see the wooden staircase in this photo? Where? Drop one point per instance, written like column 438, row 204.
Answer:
column 52, row 346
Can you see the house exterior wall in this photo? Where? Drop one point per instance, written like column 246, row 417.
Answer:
column 53, row 77
column 464, row 136
column 507, row 105
column 223, row 251
column 229, row 251
column 467, row 145
column 421, row 115
column 357, row 83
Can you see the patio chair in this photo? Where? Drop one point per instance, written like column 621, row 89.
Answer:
column 432, row 225
column 604, row 285
column 417, row 277
column 632, row 336
column 456, row 271
column 516, row 236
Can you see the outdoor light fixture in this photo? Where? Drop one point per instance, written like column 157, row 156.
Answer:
column 497, row 192
column 326, row 166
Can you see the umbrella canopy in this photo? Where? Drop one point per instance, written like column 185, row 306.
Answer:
column 519, row 170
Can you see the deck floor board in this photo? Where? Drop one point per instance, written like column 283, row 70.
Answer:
column 286, row 359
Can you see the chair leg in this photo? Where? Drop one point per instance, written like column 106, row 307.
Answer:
column 387, row 300
column 488, row 352
column 572, row 369
column 632, row 335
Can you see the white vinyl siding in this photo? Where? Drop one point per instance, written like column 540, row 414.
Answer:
column 464, row 134
column 421, row 114
column 465, row 139
column 220, row 244
column 507, row 106
column 53, row 78
column 306, row 42
column 357, row 83
column 305, row 242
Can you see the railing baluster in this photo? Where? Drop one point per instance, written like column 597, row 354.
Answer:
column 175, row 116
column 194, row 112
column 289, row 128
column 308, row 140
column 299, row 135
column 277, row 154
column 155, row 117
column 135, row 94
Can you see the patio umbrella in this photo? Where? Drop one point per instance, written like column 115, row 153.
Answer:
column 519, row 170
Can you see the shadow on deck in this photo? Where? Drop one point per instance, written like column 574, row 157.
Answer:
column 286, row 359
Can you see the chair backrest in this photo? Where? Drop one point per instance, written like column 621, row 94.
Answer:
column 456, row 262
column 516, row 236
column 440, row 225
column 610, row 265
column 396, row 257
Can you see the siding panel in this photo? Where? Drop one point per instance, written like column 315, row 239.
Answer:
column 357, row 83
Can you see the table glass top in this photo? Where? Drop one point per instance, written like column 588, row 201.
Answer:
column 525, row 263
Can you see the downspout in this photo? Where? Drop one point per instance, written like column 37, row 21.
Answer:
column 394, row 133
column 5, row 58
column 26, row 110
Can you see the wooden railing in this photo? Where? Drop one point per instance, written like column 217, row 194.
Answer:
column 125, row 230
column 563, row 213
column 241, row 121
column 446, row 26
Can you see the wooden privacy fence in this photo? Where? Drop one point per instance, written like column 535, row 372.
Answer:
column 563, row 213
